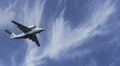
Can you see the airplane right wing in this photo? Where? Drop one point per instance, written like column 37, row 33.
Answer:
column 22, row 27
column 34, row 38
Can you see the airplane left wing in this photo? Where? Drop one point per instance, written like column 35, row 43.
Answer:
column 34, row 38
column 22, row 27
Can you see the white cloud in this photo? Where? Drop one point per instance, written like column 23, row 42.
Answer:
column 92, row 63
column 63, row 37
column 13, row 61
column 6, row 15
column 32, row 17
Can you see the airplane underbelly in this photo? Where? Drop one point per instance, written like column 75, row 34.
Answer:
column 21, row 36
column 32, row 32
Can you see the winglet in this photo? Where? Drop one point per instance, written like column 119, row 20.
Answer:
column 14, row 22
column 38, row 45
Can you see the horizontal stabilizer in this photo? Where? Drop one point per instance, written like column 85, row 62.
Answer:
column 11, row 34
column 7, row 31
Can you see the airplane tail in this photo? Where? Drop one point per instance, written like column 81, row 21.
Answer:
column 11, row 34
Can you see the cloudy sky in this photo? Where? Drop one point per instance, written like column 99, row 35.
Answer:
column 77, row 33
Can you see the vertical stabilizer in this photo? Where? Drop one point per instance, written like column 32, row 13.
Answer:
column 11, row 34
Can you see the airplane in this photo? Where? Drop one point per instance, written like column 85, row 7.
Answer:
column 28, row 32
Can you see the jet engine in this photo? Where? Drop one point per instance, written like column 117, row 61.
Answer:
column 32, row 27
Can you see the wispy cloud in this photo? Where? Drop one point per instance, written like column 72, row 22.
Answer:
column 32, row 17
column 92, row 63
column 13, row 61
column 6, row 15
column 63, row 37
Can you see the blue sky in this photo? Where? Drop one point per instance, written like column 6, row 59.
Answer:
column 77, row 33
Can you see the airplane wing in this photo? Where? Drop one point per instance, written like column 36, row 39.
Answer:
column 34, row 38
column 22, row 27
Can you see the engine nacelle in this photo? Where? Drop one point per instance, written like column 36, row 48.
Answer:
column 32, row 27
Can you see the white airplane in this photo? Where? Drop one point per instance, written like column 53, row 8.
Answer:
column 29, row 32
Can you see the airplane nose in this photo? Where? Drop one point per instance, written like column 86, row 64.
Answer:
column 42, row 30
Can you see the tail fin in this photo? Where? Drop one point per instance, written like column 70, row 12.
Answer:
column 11, row 34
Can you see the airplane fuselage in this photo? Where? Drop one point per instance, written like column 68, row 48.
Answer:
column 28, row 32
column 26, row 35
